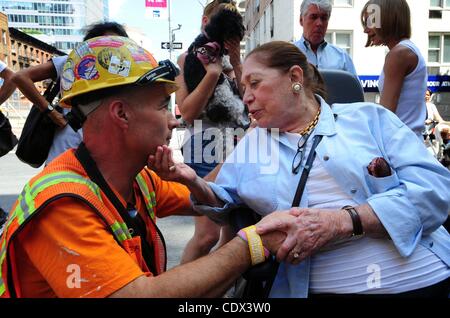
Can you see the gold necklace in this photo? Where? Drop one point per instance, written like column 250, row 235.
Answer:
column 311, row 125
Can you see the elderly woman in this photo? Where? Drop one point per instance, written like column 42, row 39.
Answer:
column 370, row 217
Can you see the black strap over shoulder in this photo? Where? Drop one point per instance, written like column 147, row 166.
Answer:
column 136, row 222
column 295, row 203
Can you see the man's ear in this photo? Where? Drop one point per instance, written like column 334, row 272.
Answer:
column 118, row 113
column 296, row 74
column 301, row 20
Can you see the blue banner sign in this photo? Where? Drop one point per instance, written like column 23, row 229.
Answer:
column 436, row 83
column 369, row 83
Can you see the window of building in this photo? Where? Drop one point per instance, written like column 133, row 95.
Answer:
column 272, row 20
column 342, row 39
column 439, row 48
column 440, row 4
column 343, row 3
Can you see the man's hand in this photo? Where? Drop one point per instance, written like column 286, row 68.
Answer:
column 307, row 230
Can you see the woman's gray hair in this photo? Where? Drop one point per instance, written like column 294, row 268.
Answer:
column 324, row 5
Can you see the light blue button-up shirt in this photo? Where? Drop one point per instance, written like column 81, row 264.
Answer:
column 328, row 56
column 411, row 204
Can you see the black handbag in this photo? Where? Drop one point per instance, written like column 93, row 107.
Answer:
column 7, row 138
column 38, row 132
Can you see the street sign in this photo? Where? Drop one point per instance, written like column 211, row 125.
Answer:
column 175, row 45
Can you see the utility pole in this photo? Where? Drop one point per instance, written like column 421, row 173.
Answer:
column 170, row 30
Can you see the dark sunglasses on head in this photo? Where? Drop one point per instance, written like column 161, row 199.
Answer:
column 166, row 70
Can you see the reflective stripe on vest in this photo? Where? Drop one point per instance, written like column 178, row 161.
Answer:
column 149, row 197
column 2, row 257
column 25, row 208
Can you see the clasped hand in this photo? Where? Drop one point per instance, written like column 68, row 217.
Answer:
column 307, row 230
column 291, row 235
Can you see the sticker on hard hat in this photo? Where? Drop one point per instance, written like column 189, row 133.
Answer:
column 106, row 42
column 67, row 79
column 86, row 68
column 139, row 54
column 68, row 75
column 104, row 57
column 119, row 66
column 83, row 50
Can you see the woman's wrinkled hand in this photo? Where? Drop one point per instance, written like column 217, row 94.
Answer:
column 307, row 231
column 163, row 164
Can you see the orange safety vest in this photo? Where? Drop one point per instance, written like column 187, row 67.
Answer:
column 65, row 177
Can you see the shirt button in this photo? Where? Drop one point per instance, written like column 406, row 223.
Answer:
column 431, row 244
column 353, row 191
column 326, row 158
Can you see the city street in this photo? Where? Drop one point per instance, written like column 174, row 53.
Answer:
column 14, row 174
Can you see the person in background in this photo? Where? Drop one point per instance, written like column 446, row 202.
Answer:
column 8, row 86
column 65, row 138
column 433, row 116
column 214, row 101
column 314, row 17
column 403, row 81
column 6, row 91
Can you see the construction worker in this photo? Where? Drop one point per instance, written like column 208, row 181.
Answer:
column 85, row 226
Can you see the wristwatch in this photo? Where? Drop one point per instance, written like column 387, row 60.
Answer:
column 49, row 109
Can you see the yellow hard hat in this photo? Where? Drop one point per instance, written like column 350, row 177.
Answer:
column 110, row 61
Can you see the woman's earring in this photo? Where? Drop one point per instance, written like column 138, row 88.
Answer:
column 297, row 87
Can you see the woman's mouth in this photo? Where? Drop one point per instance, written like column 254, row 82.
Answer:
column 256, row 114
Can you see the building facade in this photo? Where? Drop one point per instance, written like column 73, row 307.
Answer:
column 268, row 20
column 5, row 46
column 57, row 22
column 20, row 50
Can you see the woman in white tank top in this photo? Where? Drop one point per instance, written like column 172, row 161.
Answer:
column 403, row 81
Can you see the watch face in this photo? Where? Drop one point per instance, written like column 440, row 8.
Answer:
column 50, row 107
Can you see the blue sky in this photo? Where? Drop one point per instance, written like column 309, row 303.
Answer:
column 188, row 13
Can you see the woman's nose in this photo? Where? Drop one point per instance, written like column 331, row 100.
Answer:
column 248, row 97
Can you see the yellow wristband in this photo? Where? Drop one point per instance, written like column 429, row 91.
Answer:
column 255, row 245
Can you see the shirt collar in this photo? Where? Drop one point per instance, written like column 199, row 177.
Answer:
column 308, row 45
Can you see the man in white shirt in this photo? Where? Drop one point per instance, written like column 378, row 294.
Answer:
column 314, row 17
column 7, row 87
